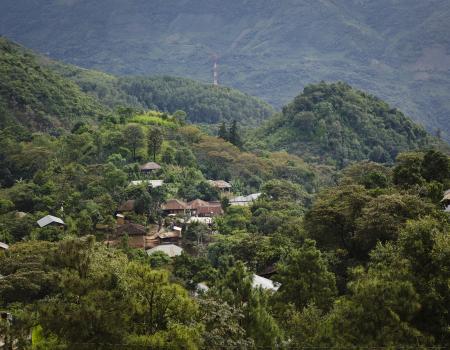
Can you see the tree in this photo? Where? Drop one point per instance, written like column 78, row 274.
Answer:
column 223, row 328
column 234, row 136
column 155, row 139
column 223, row 133
column 305, row 278
column 133, row 137
column 435, row 166
column 161, row 310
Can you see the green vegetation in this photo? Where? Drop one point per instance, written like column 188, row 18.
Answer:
column 337, row 124
column 397, row 50
column 358, row 257
column 37, row 98
column 202, row 103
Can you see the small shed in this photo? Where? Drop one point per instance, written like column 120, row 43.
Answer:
column 50, row 220
column 265, row 283
column 171, row 250
column 149, row 167
column 4, row 246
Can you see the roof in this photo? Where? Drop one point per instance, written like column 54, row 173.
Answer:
column 265, row 283
column 131, row 229
column 50, row 219
column 151, row 183
column 169, row 249
column 446, row 196
column 210, row 210
column 174, row 204
column 4, row 246
column 149, row 166
column 244, row 199
column 219, row 184
column 127, row 205
column 197, row 203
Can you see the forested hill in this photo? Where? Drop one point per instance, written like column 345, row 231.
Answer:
column 41, row 94
column 336, row 123
column 395, row 49
column 37, row 98
column 203, row 103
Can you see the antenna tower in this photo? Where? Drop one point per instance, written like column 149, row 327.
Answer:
column 215, row 70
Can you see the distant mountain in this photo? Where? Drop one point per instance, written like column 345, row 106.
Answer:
column 395, row 49
column 335, row 124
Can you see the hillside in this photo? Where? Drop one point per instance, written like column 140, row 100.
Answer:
column 395, row 49
column 42, row 94
column 336, row 123
column 36, row 97
column 203, row 103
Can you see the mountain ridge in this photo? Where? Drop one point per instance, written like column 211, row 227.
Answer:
column 397, row 50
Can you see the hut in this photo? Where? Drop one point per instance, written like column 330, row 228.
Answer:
column 221, row 185
column 149, row 167
column 136, row 234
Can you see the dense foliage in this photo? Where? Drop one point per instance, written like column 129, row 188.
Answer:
column 337, row 124
column 36, row 97
column 202, row 103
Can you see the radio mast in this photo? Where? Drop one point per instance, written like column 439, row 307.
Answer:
column 215, row 70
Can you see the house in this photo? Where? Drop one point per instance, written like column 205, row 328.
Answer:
column 221, row 185
column 175, row 206
column 149, row 167
column 197, row 203
column 136, row 234
column 265, row 283
column 50, row 220
column 211, row 210
column 150, row 183
column 245, row 200
column 4, row 246
column 126, row 206
column 200, row 208
column 171, row 250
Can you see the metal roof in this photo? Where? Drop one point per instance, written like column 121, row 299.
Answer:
column 4, row 246
column 169, row 249
column 250, row 198
column 264, row 283
column 49, row 219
